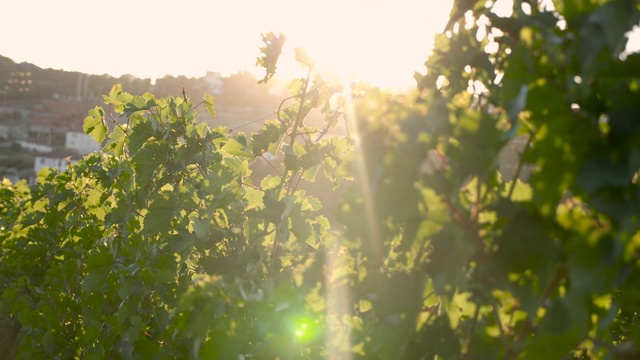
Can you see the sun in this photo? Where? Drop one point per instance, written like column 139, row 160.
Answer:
column 380, row 42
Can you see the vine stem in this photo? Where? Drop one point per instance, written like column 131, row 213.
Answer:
column 476, row 208
column 258, row 236
column 528, row 325
column 496, row 314
column 303, row 96
column 251, row 186
column 520, row 164
column 270, row 164
column 472, row 331
column 274, row 249
column 467, row 226
column 292, row 188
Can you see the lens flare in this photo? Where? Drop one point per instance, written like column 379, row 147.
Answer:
column 307, row 329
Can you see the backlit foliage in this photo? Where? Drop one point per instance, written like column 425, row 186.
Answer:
column 491, row 214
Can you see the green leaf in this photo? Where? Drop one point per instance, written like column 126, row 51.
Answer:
column 161, row 213
column 202, row 129
column 98, row 266
column 233, row 147
column 201, row 227
column 116, row 142
column 140, row 133
column 180, row 243
column 270, row 54
column 95, row 125
column 310, row 173
column 118, row 98
column 95, row 279
column 616, row 18
column 267, row 138
column 521, row 191
column 601, row 173
column 208, row 104
column 149, row 160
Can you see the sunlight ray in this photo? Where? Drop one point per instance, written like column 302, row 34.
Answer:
column 363, row 174
column 338, row 295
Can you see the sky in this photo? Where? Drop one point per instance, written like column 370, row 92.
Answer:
column 381, row 41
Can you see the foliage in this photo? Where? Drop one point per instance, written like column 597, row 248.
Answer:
column 499, row 264
column 164, row 246
column 161, row 245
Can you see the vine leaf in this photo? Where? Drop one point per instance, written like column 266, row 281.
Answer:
column 94, row 124
column 270, row 54
column 208, row 104
column 140, row 134
column 99, row 266
column 95, row 279
column 158, row 219
column 234, row 147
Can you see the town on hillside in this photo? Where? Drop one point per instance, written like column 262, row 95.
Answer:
column 42, row 110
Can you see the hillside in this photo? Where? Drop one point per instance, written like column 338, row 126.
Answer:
column 25, row 84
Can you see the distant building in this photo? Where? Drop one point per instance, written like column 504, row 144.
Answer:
column 23, row 113
column 215, row 84
column 46, row 135
column 14, row 131
column 59, row 113
column 35, row 147
column 12, row 176
column 81, row 142
column 58, row 159
column 51, row 120
column 45, row 119
column 82, row 89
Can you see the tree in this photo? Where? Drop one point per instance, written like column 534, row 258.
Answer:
column 162, row 245
column 241, row 91
column 172, row 86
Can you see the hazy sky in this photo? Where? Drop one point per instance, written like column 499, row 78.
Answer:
column 383, row 41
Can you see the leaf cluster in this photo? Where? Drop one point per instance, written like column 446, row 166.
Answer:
column 162, row 246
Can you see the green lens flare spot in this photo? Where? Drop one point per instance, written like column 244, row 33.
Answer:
column 306, row 329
